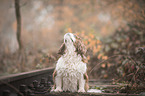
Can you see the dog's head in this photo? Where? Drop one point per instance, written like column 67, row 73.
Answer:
column 72, row 41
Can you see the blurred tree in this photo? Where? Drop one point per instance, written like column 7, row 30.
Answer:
column 18, row 17
column 21, row 53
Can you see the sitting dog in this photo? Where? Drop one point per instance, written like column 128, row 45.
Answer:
column 70, row 73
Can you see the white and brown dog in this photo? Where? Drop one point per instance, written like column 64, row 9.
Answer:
column 70, row 73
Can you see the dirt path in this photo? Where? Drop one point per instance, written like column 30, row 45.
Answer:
column 98, row 88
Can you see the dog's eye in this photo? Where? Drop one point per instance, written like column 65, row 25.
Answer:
column 66, row 41
column 72, row 40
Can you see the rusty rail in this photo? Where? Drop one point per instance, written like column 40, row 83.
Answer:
column 38, row 83
column 12, row 83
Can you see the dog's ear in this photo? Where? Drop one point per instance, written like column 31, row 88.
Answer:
column 62, row 49
column 80, row 47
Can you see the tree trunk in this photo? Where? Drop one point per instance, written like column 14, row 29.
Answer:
column 21, row 53
column 18, row 17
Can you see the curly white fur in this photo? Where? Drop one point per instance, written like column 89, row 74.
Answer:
column 70, row 68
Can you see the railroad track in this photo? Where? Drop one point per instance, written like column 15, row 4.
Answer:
column 38, row 83
column 19, row 83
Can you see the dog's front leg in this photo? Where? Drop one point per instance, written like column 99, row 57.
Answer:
column 58, row 82
column 87, row 80
column 53, row 75
column 81, row 84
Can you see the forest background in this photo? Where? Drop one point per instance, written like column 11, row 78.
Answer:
column 112, row 30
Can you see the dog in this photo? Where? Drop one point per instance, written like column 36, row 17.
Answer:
column 70, row 73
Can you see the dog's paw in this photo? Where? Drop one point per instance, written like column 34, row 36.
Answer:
column 58, row 90
column 52, row 90
column 81, row 90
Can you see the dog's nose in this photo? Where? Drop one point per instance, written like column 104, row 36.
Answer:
column 68, row 34
column 69, row 37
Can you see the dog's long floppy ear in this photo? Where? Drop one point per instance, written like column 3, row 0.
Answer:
column 80, row 47
column 62, row 49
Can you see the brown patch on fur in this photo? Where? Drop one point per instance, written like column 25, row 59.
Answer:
column 86, row 83
column 80, row 48
column 62, row 49
column 54, row 74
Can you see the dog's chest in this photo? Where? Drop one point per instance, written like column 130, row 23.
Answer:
column 70, row 65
